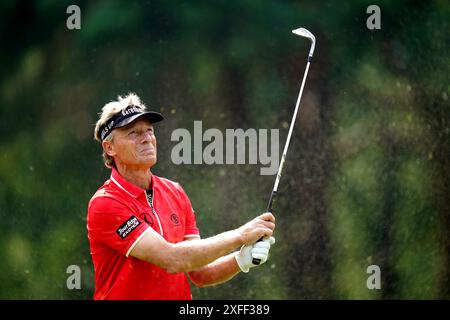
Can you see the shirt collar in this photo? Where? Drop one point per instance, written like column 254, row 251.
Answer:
column 126, row 186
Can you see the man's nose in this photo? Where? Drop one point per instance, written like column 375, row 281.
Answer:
column 147, row 136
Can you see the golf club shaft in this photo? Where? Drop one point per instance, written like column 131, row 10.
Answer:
column 288, row 140
column 286, row 147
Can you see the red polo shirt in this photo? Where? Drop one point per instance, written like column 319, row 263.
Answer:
column 119, row 214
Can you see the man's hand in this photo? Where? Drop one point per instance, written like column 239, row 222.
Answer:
column 261, row 226
column 258, row 250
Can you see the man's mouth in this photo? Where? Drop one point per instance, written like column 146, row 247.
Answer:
column 147, row 151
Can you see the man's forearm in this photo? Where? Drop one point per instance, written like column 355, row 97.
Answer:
column 189, row 255
column 193, row 254
column 218, row 271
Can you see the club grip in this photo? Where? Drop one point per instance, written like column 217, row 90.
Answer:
column 269, row 209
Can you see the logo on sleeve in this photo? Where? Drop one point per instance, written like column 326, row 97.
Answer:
column 129, row 225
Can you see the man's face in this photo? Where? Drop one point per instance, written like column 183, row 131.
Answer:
column 133, row 145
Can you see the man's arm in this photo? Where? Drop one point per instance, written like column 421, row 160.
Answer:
column 216, row 272
column 225, row 268
column 186, row 256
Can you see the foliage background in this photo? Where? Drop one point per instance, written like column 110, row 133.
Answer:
column 367, row 174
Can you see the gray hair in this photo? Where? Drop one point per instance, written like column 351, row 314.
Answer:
column 108, row 111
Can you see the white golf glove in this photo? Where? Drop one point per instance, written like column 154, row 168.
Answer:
column 258, row 250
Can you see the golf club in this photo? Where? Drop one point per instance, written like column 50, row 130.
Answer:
column 306, row 34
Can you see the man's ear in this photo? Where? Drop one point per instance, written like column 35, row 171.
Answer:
column 108, row 147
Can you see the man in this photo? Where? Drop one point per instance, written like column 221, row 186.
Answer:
column 142, row 229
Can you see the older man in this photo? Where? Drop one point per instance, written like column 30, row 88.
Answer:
column 142, row 229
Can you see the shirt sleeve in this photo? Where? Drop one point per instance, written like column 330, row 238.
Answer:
column 114, row 224
column 191, row 229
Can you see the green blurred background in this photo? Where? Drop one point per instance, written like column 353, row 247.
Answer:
column 367, row 175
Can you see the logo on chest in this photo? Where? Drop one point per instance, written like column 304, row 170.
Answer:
column 175, row 220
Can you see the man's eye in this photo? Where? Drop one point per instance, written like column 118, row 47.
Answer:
column 131, row 132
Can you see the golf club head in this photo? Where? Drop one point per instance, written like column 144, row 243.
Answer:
column 302, row 32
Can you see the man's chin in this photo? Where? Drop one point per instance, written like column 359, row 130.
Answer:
column 151, row 162
column 147, row 162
